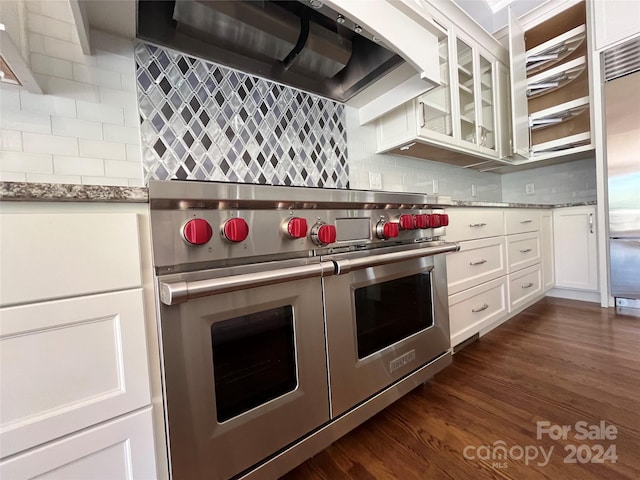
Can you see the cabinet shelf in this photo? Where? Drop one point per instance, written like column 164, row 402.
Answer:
column 555, row 78
column 464, row 70
column 466, row 89
column 549, row 53
column 561, row 143
column 558, row 114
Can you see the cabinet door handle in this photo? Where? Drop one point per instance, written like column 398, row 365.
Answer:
column 477, row 224
column 591, row 223
column 478, row 262
column 424, row 116
column 526, row 221
column 526, row 250
column 527, row 285
column 481, row 309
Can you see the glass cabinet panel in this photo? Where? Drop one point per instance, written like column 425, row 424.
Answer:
column 466, row 92
column 436, row 103
column 487, row 119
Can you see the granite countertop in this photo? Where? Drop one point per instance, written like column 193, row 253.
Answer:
column 58, row 192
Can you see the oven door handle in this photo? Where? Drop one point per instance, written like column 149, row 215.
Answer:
column 347, row 265
column 172, row 293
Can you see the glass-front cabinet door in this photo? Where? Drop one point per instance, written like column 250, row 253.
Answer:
column 466, row 92
column 435, row 110
column 487, row 109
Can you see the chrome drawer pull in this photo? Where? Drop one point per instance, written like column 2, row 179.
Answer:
column 526, row 250
column 527, row 285
column 526, row 221
column 481, row 309
column 477, row 224
column 478, row 262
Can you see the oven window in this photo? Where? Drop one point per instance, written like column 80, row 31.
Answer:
column 388, row 312
column 253, row 360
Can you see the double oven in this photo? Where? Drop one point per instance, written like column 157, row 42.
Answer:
column 290, row 315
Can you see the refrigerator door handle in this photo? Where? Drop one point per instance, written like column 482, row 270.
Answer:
column 591, row 223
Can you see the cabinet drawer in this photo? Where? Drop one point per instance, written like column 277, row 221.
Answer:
column 523, row 250
column 476, row 308
column 522, row 220
column 69, row 364
column 93, row 253
column 478, row 261
column 523, row 286
column 473, row 223
column 121, row 449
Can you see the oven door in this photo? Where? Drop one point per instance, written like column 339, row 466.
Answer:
column 244, row 364
column 386, row 316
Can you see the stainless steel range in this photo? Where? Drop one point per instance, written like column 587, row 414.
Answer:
column 289, row 315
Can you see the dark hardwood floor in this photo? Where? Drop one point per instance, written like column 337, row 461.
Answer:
column 559, row 361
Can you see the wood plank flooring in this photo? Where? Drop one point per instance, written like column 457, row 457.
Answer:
column 559, row 361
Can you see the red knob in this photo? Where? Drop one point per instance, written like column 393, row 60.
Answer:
column 297, row 227
column 386, row 230
column 433, row 220
column 323, row 234
column 197, row 231
column 421, row 220
column 235, row 230
column 444, row 219
column 406, row 222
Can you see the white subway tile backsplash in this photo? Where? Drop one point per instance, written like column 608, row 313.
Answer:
column 117, row 97
column 63, row 49
column 120, row 134
column 119, row 182
column 68, row 88
column 49, row 144
column 9, row 98
column 53, row 178
column 13, row 177
column 100, row 113
column 36, row 42
column 73, row 127
column 101, row 149
column 115, row 63
column 25, row 121
column 96, row 76
column 131, row 117
column 21, row 162
column 115, row 168
column 78, row 166
column 51, row 27
column 11, row 140
column 134, row 153
column 50, row 104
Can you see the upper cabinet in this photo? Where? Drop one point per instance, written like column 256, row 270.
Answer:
column 550, row 85
column 615, row 21
column 458, row 122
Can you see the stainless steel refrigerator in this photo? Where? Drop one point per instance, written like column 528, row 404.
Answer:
column 622, row 123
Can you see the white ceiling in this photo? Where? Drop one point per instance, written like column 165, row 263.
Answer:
column 114, row 16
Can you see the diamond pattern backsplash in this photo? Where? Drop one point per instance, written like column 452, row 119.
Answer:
column 203, row 121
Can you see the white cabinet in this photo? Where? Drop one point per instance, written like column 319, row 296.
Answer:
column 120, row 449
column 546, row 245
column 75, row 379
column 550, row 83
column 498, row 270
column 575, row 248
column 615, row 21
column 460, row 122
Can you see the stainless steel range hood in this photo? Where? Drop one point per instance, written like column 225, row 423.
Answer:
column 312, row 45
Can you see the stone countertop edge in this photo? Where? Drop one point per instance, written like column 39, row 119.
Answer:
column 59, row 192
column 465, row 203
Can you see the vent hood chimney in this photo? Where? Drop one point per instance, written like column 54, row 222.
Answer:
column 368, row 54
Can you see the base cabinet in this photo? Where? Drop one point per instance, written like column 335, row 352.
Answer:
column 120, row 449
column 497, row 271
column 575, row 247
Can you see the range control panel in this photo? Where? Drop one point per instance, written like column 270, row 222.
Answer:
column 187, row 230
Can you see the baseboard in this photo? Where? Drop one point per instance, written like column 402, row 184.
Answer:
column 574, row 295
